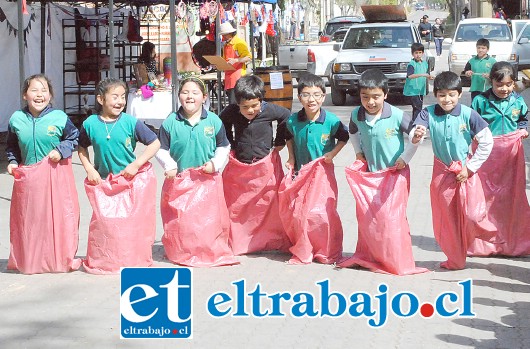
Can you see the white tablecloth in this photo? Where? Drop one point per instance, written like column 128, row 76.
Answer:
column 153, row 111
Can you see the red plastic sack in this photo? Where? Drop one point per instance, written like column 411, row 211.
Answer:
column 308, row 210
column 195, row 217
column 123, row 225
column 44, row 218
column 251, row 193
column 504, row 180
column 384, row 244
column 457, row 211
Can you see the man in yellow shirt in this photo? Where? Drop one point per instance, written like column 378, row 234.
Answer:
column 237, row 53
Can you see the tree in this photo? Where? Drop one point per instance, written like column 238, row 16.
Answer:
column 348, row 7
column 309, row 6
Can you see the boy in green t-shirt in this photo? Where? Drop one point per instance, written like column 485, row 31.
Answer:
column 453, row 127
column 376, row 132
column 308, row 208
column 417, row 75
column 478, row 68
column 313, row 132
column 376, row 127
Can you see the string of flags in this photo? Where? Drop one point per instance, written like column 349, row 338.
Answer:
column 12, row 25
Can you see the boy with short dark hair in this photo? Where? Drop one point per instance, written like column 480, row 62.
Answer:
column 248, row 123
column 313, row 132
column 376, row 132
column 425, row 29
column 376, row 127
column 308, row 202
column 454, row 188
column 478, row 68
column 417, row 75
column 252, row 179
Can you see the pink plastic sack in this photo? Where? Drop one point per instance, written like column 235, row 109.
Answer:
column 384, row 244
column 504, row 180
column 123, row 225
column 251, row 193
column 457, row 211
column 308, row 210
column 195, row 217
column 44, row 218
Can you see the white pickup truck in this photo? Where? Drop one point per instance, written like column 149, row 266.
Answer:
column 316, row 57
column 303, row 56
column 383, row 45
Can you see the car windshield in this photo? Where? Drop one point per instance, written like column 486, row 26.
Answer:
column 366, row 38
column 475, row 31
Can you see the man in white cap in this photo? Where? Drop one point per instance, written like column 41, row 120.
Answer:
column 237, row 53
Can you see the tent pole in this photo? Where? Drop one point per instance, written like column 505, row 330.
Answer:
column 111, row 39
column 251, row 35
column 218, row 53
column 174, row 78
column 43, row 38
column 21, row 72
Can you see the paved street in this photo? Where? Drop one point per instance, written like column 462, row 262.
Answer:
column 80, row 310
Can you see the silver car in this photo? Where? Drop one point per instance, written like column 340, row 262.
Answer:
column 521, row 31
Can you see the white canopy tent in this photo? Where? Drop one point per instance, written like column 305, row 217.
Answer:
column 40, row 48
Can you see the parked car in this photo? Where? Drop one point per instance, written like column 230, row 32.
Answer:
column 307, row 57
column 517, row 26
column 522, row 47
column 420, row 6
column 336, row 23
column 463, row 44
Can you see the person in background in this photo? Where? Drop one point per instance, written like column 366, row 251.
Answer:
column 438, row 30
column 478, row 68
column 465, row 12
column 292, row 29
column 148, row 57
column 237, row 53
column 417, row 75
column 499, row 13
column 425, row 29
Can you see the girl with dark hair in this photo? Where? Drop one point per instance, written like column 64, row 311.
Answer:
column 505, row 111
column 148, row 57
column 114, row 134
column 118, row 179
column 40, row 142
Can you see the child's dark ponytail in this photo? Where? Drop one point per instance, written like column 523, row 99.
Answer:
column 501, row 70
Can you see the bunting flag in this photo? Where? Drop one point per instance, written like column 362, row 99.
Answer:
column 49, row 22
column 9, row 14
column 24, row 8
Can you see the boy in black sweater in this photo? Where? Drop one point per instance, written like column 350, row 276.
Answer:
column 248, row 123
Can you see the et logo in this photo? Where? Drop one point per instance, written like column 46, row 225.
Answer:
column 156, row 303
